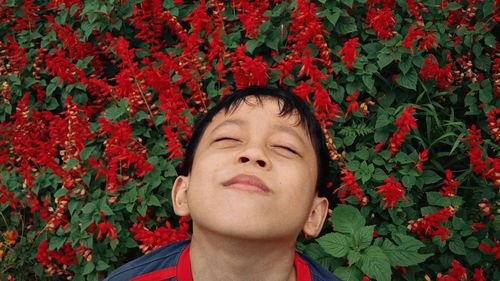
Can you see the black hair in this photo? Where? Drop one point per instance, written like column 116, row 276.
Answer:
column 290, row 104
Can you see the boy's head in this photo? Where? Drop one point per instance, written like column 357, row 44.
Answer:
column 290, row 105
column 256, row 167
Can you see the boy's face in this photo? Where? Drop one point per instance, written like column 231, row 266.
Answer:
column 253, row 176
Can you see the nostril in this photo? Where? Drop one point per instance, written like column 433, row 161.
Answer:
column 261, row 163
column 244, row 159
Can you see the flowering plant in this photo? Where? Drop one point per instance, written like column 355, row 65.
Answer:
column 97, row 100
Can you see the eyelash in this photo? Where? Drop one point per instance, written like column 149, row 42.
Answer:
column 226, row 139
column 277, row 146
column 287, row 148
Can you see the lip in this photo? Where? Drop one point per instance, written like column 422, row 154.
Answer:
column 247, row 183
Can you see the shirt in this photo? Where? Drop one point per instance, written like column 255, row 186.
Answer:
column 172, row 263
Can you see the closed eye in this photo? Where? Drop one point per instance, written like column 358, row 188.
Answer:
column 226, row 139
column 288, row 149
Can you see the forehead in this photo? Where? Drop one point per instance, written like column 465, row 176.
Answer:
column 272, row 105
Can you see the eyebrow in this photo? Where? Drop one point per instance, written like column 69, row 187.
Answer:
column 277, row 127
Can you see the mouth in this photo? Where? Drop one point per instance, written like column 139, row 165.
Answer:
column 247, row 183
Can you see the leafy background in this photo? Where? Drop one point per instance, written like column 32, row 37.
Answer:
column 97, row 99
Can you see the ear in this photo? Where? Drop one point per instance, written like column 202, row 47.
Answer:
column 316, row 218
column 179, row 196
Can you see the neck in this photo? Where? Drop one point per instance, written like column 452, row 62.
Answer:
column 214, row 257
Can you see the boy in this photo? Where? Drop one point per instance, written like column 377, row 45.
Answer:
column 253, row 178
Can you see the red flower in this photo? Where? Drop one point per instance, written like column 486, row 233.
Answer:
column 449, row 185
column 457, row 272
column 489, row 168
column 429, row 68
column 378, row 147
column 310, row 69
column 353, row 103
column 106, row 228
column 405, row 123
column 246, row 70
column 6, row 195
column 251, row 15
column 412, row 35
column 302, row 90
column 428, row 224
column 494, row 123
column 478, row 274
column 444, row 78
column 349, row 53
column 495, row 249
column 349, row 187
column 151, row 240
column 422, row 158
column 382, row 21
column 391, row 192
column 413, row 9
column 477, row 226
column 428, row 42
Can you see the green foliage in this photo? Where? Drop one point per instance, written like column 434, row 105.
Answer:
column 97, row 99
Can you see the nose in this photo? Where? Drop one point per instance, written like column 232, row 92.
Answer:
column 254, row 155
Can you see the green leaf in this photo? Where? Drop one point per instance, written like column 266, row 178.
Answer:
column 345, row 25
column 116, row 112
column 88, row 268
column 430, row 176
column 375, row 264
column 489, row 40
column 364, row 236
column 61, row 192
column 483, row 63
column 353, row 257
column 333, row 15
column 72, row 162
column 384, row 59
column 86, row 152
column 405, row 65
column 153, row 201
column 335, row 244
column 104, row 207
column 252, row 44
column 405, row 253
column 496, row 224
column 457, row 247
column 368, row 81
column 408, row 80
column 351, row 273
column 101, row 265
column 56, row 242
column 89, row 208
column 347, row 219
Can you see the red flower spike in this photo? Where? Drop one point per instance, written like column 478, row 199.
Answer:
column 382, row 21
column 353, row 103
column 248, row 71
column 449, row 185
column 151, row 240
column 428, row 224
column 405, row 123
column 428, row 42
column 478, row 274
column 411, row 36
column 392, row 191
column 495, row 249
column 494, row 123
column 302, row 90
column 422, row 158
column 349, row 187
column 349, row 53
column 251, row 15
